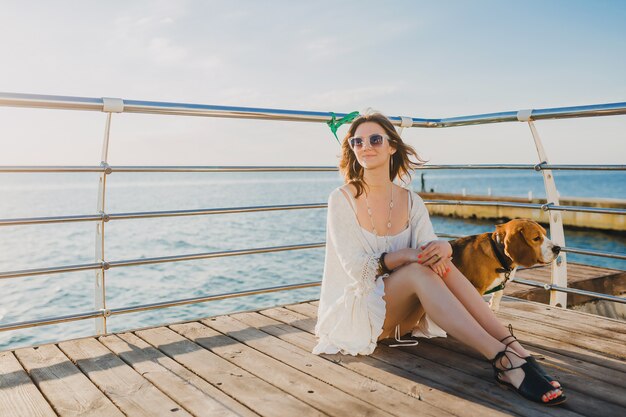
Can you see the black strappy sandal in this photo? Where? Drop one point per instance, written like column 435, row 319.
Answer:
column 533, row 386
column 532, row 360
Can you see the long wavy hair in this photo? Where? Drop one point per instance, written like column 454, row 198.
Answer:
column 400, row 164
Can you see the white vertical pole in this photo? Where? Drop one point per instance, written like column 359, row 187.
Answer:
column 559, row 266
column 109, row 106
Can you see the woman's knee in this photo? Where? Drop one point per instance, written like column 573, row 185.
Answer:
column 417, row 273
column 414, row 268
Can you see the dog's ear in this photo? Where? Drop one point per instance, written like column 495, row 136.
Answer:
column 501, row 232
column 518, row 249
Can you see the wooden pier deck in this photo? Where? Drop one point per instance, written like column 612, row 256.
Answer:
column 259, row 363
column 580, row 276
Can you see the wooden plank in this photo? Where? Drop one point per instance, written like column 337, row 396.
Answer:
column 581, row 348
column 607, row 397
column 594, row 393
column 337, row 380
column 481, row 390
column 528, row 334
column 575, row 273
column 557, row 353
column 301, row 385
column 586, row 277
column 255, row 393
column 366, row 368
column 599, row 270
column 601, row 323
column 605, row 393
column 579, row 326
column 607, row 351
column 128, row 390
column 574, row 268
column 591, row 395
column 573, row 373
column 18, row 395
column 69, row 391
column 190, row 391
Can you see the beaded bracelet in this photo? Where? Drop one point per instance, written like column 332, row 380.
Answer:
column 382, row 268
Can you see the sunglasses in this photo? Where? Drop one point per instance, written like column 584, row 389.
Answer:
column 376, row 140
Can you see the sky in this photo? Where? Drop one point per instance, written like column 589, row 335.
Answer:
column 422, row 59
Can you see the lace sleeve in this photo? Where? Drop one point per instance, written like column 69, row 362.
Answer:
column 424, row 229
column 342, row 233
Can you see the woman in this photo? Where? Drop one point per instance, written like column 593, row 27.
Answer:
column 385, row 270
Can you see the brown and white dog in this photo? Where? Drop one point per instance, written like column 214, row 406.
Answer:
column 490, row 259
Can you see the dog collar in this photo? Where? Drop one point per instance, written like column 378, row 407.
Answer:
column 505, row 263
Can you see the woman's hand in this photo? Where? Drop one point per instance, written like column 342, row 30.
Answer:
column 436, row 255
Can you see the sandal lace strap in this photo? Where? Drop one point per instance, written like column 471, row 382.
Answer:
column 497, row 360
column 514, row 339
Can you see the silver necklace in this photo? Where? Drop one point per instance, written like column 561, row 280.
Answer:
column 369, row 212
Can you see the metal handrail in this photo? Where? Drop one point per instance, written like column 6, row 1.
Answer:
column 579, row 251
column 145, row 307
column 158, row 260
column 544, row 207
column 248, row 209
column 552, row 287
column 51, row 320
column 187, row 109
column 592, row 252
column 180, row 168
column 592, row 167
column 207, row 255
column 538, row 167
column 223, row 168
column 21, row 221
column 202, row 168
column 197, row 300
column 50, row 270
column 611, row 109
column 581, row 209
column 48, row 168
column 156, row 214
column 151, row 306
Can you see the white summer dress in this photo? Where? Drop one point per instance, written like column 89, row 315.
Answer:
column 341, row 326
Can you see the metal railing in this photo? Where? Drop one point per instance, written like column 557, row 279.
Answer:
column 558, row 288
column 186, row 109
column 106, row 217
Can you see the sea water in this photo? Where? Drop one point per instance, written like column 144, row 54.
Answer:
column 38, row 246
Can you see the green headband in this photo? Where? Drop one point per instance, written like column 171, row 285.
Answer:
column 334, row 124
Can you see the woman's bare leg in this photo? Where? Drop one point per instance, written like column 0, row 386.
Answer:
column 465, row 292
column 412, row 283
column 413, row 280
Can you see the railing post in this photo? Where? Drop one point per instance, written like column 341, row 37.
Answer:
column 110, row 105
column 559, row 266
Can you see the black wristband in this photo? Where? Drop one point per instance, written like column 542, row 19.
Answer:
column 381, row 261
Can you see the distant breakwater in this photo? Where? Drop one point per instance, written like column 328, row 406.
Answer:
column 601, row 221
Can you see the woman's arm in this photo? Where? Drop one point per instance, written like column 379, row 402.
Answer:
column 424, row 256
column 400, row 257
